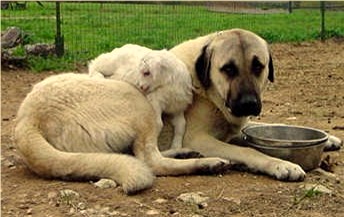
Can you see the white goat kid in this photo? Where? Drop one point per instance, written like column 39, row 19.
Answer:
column 159, row 74
column 118, row 63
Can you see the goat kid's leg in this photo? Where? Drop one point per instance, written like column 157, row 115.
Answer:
column 178, row 122
column 158, row 113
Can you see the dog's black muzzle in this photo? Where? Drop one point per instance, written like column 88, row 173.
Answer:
column 245, row 105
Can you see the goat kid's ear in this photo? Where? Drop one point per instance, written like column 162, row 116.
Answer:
column 203, row 66
column 271, row 75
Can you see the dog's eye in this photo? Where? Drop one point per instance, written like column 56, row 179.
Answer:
column 146, row 73
column 230, row 69
column 257, row 66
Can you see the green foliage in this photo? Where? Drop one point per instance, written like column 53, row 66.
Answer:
column 50, row 63
column 93, row 28
column 310, row 193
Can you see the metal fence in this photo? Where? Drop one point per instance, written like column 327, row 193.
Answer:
column 81, row 30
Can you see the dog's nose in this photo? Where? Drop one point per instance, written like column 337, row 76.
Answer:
column 245, row 105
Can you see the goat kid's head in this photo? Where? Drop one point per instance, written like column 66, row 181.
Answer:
column 152, row 71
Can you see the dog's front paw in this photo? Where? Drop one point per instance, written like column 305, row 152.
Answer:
column 285, row 170
column 333, row 143
column 213, row 165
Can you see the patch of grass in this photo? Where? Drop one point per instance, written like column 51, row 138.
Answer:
column 93, row 28
column 51, row 63
column 310, row 193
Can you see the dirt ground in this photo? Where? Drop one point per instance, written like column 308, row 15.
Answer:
column 309, row 90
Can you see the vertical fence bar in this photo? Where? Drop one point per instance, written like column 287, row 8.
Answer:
column 59, row 42
column 322, row 11
column 290, row 7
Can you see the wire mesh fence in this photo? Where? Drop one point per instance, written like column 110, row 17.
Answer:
column 90, row 28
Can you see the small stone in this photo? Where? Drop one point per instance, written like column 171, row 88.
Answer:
column 23, row 206
column 114, row 213
column 52, row 195
column 83, row 212
column 72, row 210
column 105, row 183
column 9, row 164
column 152, row 212
column 160, row 200
column 197, row 198
column 91, row 211
column 82, row 206
column 104, row 209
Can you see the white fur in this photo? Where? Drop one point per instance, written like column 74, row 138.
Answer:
column 74, row 127
column 158, row 73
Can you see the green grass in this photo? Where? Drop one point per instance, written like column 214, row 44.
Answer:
column 93, row 28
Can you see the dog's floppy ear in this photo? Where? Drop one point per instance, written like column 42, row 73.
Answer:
column 271, row 75
column 202, row 66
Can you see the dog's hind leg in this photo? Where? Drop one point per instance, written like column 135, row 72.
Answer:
column 49, row 162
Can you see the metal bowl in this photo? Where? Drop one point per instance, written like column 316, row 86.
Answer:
column 300, row 145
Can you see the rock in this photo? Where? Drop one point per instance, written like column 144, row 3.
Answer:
column 12, row 62
column 82, row 206
column 40, row 49
column 9, row 164
column 53, row 198
column 11, row 37
column 52, row 195
column 196, row 198
column 105, row 183
column 105, row 209
column 160, row 200
column 152, row 212
column 29, row 211
column 72, row 210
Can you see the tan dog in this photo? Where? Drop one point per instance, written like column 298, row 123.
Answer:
column 73, row 127
column 230, row 70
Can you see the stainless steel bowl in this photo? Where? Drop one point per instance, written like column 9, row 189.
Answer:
column 300, row 145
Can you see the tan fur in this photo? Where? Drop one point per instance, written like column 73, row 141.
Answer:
column 74, row 127
column 210, row 123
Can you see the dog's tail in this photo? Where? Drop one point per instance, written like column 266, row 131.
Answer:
column 46, row 161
